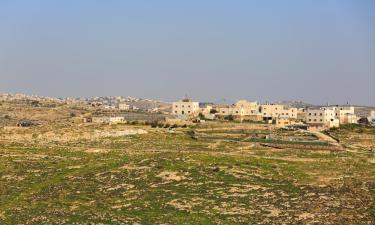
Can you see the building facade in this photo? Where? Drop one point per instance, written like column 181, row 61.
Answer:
column 274, row 111
column 345, row 114
column 322, row 117
column 185, row 107
column 242, row 110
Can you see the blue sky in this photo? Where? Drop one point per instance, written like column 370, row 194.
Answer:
column 315, row 51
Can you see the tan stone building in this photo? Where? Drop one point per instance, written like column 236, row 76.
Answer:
column 301, row 114
column 185, row 107
column 241, row 110
column 274, row 111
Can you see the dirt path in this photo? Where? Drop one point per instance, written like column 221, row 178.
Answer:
column 325, row 138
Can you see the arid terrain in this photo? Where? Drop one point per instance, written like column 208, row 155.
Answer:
column 60, row 170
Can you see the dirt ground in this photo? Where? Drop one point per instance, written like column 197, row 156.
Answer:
column 66, row 172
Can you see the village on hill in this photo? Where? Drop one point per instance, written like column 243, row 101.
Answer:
column 186, row 111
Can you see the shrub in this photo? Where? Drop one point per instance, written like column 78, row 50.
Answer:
column 154, row 124
column 229, row 117
column 213, row 111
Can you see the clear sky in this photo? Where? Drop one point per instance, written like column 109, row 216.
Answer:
column 316, row 51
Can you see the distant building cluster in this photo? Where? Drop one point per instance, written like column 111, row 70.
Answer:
column 281, row 115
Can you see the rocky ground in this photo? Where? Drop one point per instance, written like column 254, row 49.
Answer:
column 61, row 172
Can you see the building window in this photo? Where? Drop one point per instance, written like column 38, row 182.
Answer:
column 321, row 120
column 175, row 112
column 314, row 120
column 309, row 119
column 321, row 114
column 182, row 112
column 188, row 111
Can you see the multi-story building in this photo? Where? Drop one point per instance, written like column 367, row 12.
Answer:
column 185, row 107
column 322, row 117
column 242, row 109
column 345, row 114
column 273, row 111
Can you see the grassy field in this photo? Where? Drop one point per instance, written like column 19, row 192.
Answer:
column 69, row 173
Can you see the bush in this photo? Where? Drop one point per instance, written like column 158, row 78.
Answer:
column 213, row 111
column 166, row 125
column 229, row 117
column 154, row 124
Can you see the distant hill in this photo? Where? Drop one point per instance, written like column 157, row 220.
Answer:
column 296, row 104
